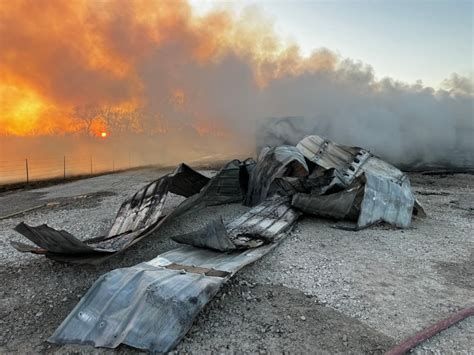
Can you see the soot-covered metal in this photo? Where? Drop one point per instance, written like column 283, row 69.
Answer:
column 152, row 305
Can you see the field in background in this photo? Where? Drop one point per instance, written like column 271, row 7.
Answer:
column 61, row 166
column 31, row 159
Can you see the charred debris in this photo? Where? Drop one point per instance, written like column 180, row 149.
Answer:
column 152, row 305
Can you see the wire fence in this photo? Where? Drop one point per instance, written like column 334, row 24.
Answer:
column 56, row 167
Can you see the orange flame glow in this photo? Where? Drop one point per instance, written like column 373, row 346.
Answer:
column 57, row 56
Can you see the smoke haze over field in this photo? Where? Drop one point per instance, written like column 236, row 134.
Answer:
column 154, row 69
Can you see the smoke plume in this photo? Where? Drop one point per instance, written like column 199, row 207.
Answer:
column 154, row 69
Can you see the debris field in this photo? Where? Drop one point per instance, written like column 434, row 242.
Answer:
column 152, row 305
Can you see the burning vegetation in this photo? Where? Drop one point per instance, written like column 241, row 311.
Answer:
column 154, row 68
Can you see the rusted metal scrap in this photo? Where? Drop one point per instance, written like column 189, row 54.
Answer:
column 142, row 214
column 260, row 225
column 423, row 335
column 152, row 305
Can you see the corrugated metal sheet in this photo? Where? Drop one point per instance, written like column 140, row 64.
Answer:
column 142, row 214
column 213, row 236
column 228, row 186
column 350, row 161
column 376, row 199
column 328, row 154
column 273, row 163
column 387, row 194
column 151, row 306
column 385, row 200
column 139, row 216
column 256, row 227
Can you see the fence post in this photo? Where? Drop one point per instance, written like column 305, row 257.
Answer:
column 91, row 164
column 113, row 165
column 27, row 172
column 64, row 167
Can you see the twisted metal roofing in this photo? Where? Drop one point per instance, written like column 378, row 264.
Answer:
column 152, row 305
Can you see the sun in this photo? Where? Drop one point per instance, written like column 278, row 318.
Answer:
column 103, row 134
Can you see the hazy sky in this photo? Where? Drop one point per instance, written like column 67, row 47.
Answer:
column 408, row 40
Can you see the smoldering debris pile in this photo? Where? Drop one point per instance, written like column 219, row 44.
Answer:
column 153, row 304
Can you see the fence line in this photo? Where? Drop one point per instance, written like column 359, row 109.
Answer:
column 35, row 169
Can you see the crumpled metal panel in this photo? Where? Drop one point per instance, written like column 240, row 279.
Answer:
column 339, row 205
column 152, row 305
column 227, row 186
column 139, row 216
column 146, row 307
column 256, row 227
column 350, row 161
column 288, row 186
column 142, row 214
column 379, row 167
column 52, row 240
column 371, row 200
column 317, row 183
column 272, row 163
column 213, row 236
column 385, row 200
column 328, row 154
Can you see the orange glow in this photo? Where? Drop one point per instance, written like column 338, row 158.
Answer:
column 49, row 68
column 211, row 128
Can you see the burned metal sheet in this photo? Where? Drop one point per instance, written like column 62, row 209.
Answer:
column 228, row 186
column 151, row 306
column 339, row 205
column 139, row 216
column 272, row 163
column 213, row 236
column 326, row 181
column 142, row 214
column 287, row 186
column 258, row 226
column 369, row 200
column 352, row 162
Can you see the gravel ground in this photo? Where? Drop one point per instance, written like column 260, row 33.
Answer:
column 322, row 290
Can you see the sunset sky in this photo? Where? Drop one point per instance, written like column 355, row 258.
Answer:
column 199, row 77
column 408, row 40
column 215, row 67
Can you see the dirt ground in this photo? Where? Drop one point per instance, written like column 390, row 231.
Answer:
column 322, row 290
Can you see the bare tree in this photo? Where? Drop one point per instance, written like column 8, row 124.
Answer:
column 120, row 120
column 87, row 114
column 111, row 117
